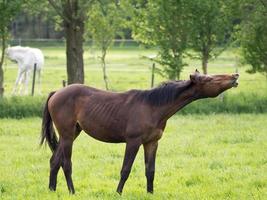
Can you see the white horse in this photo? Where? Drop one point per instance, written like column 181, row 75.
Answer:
column 26, row 57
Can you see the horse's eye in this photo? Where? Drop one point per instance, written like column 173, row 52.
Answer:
column 209, row 79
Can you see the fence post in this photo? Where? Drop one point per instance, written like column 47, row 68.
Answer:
column 33, row 78
column 152, row 75
column 64, row 83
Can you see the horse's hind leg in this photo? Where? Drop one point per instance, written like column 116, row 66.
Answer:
column 62, row 157
column 67, row 165
column 150, row 150
column 55, row 163
column 26, row 82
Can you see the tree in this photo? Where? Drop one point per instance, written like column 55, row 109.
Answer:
column 73, row 14
column 252, row 35
column 164, row 24
column 8, row 10
column 211, row 27
column 107, row 19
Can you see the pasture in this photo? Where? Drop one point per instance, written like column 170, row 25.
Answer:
column 215, row 156
column 199, row 157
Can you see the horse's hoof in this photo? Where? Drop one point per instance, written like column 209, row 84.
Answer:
column 53, row 189
column 119, row 192
column 72, row 192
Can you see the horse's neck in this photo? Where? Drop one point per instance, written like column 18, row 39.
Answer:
column 168, row 110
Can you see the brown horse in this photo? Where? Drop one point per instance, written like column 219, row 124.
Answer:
column 135, row 117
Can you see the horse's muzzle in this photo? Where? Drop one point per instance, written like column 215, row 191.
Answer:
column 235, row 80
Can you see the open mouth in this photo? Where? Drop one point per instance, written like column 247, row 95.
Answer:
column 235, row 83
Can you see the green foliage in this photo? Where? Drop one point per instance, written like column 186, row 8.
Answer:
column 252, row 35
column 106, row 20
column 235, row 104
column 8, row 10
column 211, row 28
column 164, row 24
column 20, row 107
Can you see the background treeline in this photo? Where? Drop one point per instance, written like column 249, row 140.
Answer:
column 199, row 29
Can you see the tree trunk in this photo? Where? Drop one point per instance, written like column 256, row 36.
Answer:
column 205, row 59
column 103, row 61
column 74, row 30
column 1, row 65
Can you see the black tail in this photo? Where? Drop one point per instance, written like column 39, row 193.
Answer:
column 48, row 132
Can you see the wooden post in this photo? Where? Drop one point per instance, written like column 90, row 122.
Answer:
column 33, row 78
column 152, row 75
column 64, row 83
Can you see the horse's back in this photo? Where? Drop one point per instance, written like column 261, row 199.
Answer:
column 38, row 57
column 80, row 92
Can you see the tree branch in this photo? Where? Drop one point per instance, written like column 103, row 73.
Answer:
column 59, row 10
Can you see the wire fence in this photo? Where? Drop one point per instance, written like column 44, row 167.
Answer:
column 121, row 43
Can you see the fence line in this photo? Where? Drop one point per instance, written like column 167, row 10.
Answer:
column 56, row 42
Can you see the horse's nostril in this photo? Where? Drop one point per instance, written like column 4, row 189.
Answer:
column 235, row 76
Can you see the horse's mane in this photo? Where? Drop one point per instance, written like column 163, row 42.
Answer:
column 165, row 93
column 19, row 48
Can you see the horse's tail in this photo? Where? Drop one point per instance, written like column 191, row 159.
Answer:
column 48, row 132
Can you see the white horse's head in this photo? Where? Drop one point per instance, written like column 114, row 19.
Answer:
column 12, row 52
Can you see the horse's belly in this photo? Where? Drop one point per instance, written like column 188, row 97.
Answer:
column 105, row 135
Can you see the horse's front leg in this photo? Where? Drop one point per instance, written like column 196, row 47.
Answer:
column 131, row 150
column 150, row 150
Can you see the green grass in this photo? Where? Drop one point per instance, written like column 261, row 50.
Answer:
column 199, row 157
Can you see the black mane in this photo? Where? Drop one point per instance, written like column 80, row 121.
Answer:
column 167, row 92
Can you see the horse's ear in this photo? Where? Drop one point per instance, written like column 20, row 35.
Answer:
column 193, row 78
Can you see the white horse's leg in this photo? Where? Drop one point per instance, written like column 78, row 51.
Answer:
column 26, row 82
column 19, row 76
column 22, row 83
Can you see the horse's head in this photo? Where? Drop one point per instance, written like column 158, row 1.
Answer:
column 8, row 52
column 11, row 52
column 213, row 85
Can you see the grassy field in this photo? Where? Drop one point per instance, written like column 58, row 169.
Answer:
column 199, row 157
column 127, row 69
